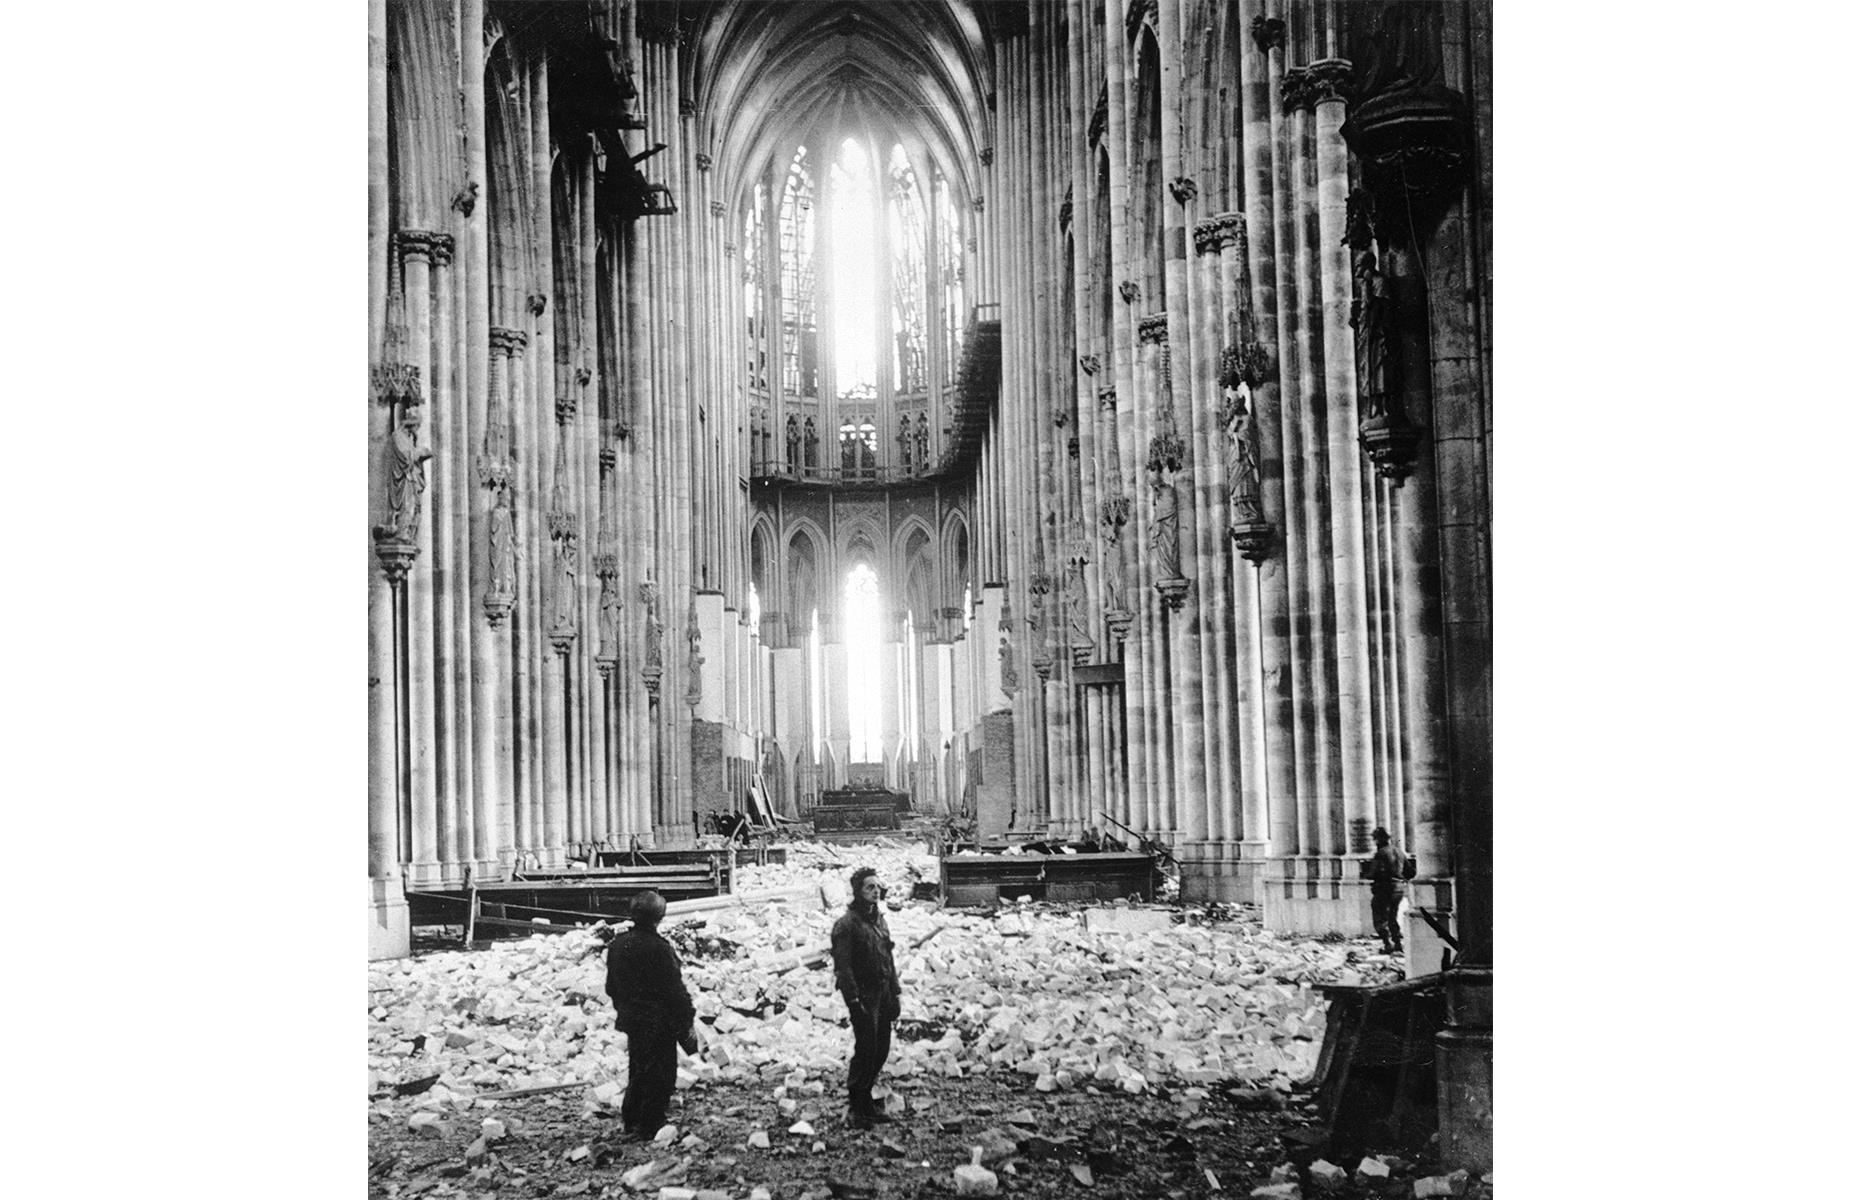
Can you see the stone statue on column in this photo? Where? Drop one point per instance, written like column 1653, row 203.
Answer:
column 694, row 661
column 923, row 442
column 1078, row 629
column 794, row 441
column 1372, row 316
column 654, row 664
column 904, row 440
column 406, row 478
column 812, row 439
column 501, row 589
column 1010, row 679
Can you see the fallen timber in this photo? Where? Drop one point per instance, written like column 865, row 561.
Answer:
column 985, row 878
column 552, row 900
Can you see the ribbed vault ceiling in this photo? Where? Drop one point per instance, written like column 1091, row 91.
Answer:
column 766, row 72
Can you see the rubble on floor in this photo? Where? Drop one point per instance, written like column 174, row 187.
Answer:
column 1170, row 998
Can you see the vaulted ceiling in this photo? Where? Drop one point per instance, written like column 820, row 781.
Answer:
column 763, row 73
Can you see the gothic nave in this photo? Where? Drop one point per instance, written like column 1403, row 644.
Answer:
column 1056, row 410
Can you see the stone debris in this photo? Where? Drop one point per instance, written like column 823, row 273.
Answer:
column 1371, row 1170
column 1454, row 1184
column 677, row 1193
column 973, row 1179
column 1278, row 1191
column 1284, row 1173
column 996, row 1146
column 759, row 1139
column 801, row 1129
column 1031, row 988
column 666, row 1135
column 760, row 1193
column 1328, row 1176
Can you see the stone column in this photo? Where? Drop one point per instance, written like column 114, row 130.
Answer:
column 1329, row 77
column 492, row 650
column 490, row 795
column 417, row 634
column 1260, row 66
column 450, row 473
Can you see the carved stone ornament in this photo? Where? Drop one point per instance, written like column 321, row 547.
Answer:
column 704, row 162
column 1411, row 134
column 654, row 665
column 395, row 383
column 404, row 477
column 566, row 403
column 1107, row 399
column 976, row 204
column 1233, row 231
column 583, row 376
column 1391, row 441
column 1088, row 363
column 1173, row 592
column 1297, row 90
column 1183, row 189
column 423, row 244
column 729, row 249
column 694, row 661
column 508, row 342
column 1072, row 447
column 1130, row 290
column 987, row 155
column 466, row 199
column 1154, row 328
column 1329, row 80
column 1113, row 515
column 500, row 590
column 1208, row 237
column 1061, row 418
column 717, row 209
column 1165, row 462
column 1268, row 32
column 687, row 107
column 1010, row 679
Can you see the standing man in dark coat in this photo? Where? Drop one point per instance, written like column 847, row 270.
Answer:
column 1386, row 870
column 868, row 980
column 654, row 1011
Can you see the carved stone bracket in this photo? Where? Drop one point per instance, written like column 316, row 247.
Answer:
column 1130, row 290
column 1411, row 134
column 1173, row 592
column 1268, row 32
column 1253, row 539
column 1329, row 80
column 395, row 383
column 1154, row 328
column 1088, row 363
column 1391, row 441
column 1117, row 620
column 395, row 552
column 1208, row 237
column 1183, row 189
column 704, row 162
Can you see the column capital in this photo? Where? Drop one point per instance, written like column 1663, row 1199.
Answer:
column 1329, row 80
column 1154, row 328
column 395, row 553
column 1209, row 236
column 1233, row 230
column 1296, row 90
column 508, row 342
column 424, row 244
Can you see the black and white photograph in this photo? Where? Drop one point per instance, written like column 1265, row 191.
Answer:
column 931, row 625
column 917, row 598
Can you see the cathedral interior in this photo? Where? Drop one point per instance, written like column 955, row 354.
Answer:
column 1062, row 412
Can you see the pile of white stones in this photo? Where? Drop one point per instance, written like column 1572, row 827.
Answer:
column 1031, row 988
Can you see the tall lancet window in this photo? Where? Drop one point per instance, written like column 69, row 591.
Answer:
column 864, row 644
column 855, row 281
column 954, row 311
column 909, row 363
column 755, row 309
column 799, row 366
